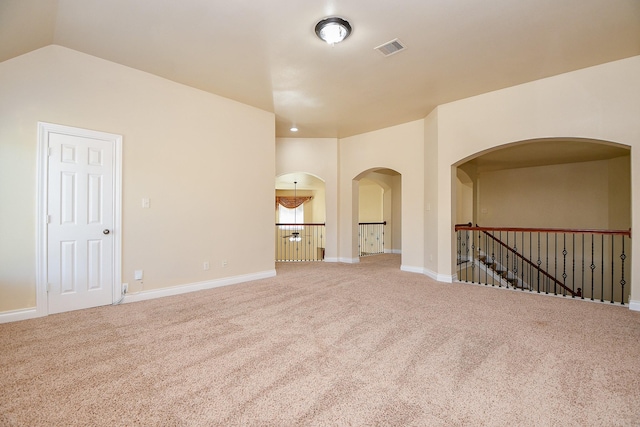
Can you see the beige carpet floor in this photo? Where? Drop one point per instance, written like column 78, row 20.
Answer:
column 327, row 345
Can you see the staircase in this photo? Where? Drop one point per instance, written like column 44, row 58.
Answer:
column 502, row 273
column 544, row 260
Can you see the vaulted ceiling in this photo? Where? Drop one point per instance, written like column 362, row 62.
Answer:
column 266, row 54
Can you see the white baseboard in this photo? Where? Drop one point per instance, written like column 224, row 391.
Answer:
column 411, row 269
column 446, row 278
column 332, row 260
column 634, row 305
column 393, row 251
column 350, row 260
column 199, row 286
column 17, row 315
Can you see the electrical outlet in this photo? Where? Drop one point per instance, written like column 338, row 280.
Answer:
column 125, row 288
column 224, row 262
column 205, row 265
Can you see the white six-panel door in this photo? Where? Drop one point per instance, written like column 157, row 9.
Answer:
column 80, row 219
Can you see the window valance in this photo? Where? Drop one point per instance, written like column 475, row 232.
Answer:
column 291, row 202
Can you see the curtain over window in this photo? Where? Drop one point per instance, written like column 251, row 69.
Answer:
column 291, row 202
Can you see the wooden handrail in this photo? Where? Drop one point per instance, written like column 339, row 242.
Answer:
column 373, row 223
column 299, row 224
column 540, row 270
column 543, row 230
column 463, row 226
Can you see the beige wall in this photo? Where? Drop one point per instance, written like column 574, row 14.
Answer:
column 371, row 201
column 576, row 195
column 399, row 148
column 191, row 153
column 431, row 195
column 393, row 214
column 464, row 202
column 319, row 157
column 599, row 103
column 620, row 196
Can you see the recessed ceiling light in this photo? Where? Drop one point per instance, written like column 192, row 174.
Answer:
column 333, row 29
column 293, row 129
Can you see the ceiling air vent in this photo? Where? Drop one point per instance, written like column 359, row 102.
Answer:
column 389, row 48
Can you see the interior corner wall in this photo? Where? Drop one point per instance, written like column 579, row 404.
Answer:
column 190, row 152
column 400, row 148
column 396, row 214
column 319, row 157
column 619, row 193
column 599, row 103
column 431, row 194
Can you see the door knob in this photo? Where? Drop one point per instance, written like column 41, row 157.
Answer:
column 105, row 231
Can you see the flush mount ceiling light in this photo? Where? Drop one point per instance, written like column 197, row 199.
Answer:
column 333, row 29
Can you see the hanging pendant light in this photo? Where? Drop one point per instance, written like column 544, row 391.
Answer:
column 295, row 235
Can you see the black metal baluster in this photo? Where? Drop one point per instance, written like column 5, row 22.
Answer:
column 287, row 244
column 613, row 268
column 564, row 263
column 465, row 250
column 593, row 267
column 522, row 260
column 515, row 259
column 486, row 257
column 555, row 263
column 582, row 265
column 473, row 259
column 500, row 259
column 573, row 267
column 324, row 244
column 539, row 262
column 602, row 268
column 546, row 265
column 622, row 282
column 530, row 278
column 506, row 261
column 459, row 252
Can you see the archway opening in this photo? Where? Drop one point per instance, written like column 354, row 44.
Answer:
column 554, row 217
column 300, row 214
column 569, row 182
column 379, row 212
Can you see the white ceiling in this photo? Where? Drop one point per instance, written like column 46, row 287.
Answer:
column 266, row 54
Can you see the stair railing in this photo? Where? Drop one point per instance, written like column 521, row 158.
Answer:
column 573, row 293
column 300, row 242
column 583, row 263
column 371, row 238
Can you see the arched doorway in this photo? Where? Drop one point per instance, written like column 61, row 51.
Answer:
column 379, row 212
column 544, row 182
column 556, row 209
column 300, row 215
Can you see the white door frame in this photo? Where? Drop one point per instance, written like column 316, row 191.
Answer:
column 44, row 129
